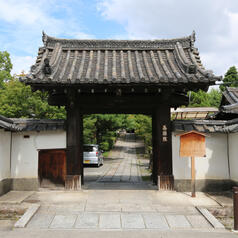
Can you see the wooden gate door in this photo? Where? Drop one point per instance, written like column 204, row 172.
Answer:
column 52, row 166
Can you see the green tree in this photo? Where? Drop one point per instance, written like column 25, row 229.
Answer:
column 214, row 98
column 18, row 101
column 143, row 129
column 230, row 79
column 204, row 99
column 5, row 67
column 102, row 129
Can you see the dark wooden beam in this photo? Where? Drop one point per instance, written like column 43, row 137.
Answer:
column 152, row 87
column 74, row 152
column 57, row 99
column 144, row 111
column 94, row 100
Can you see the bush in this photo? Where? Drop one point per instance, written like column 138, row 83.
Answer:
column 109, row 139
column 104, row 146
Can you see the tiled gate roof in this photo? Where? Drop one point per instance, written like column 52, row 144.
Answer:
column 161, row 62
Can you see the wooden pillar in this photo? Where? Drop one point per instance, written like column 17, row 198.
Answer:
column 162, row 148
column 155, row 148
column 74, row 137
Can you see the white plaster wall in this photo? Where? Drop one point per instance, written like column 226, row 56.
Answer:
column 5, row 146
column 213, row 166
column 233, row 155
column 25, row 151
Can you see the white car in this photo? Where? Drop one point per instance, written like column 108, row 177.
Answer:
column 92, row 155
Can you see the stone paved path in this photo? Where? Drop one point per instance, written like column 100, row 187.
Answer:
column 122, row 167
column 77, row 217
column 115, row 198
column 125, row 168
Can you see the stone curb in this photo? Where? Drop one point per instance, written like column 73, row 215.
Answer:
column 23, row 221
column 210, row 218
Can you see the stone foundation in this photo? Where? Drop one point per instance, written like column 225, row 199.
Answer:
column 180, row 185
column 25, row 184
column 203, row 185
column 5, row 186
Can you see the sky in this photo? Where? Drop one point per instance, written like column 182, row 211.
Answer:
column 214, row 21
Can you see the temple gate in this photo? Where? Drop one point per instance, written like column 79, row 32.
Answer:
column 119, row 76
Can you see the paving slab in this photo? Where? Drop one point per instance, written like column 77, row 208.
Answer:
column 110, row 221
column 41, row 221
column 15, row 196
column 198, row 221
column 132, row 221
column 155, row 221
column 44, row 210
column 63, row 221
column 178, row 221
column 87, row 221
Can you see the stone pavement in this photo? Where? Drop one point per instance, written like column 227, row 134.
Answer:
column 122, row 166
column 115, row 202
column 63, row 217
column 119, row 210
column 15, row 197
column 118, row 200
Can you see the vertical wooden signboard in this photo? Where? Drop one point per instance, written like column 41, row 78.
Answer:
column 192, row 144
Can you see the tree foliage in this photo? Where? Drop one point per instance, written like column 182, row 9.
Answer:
column 230, row 79
column 204, row 99
column 102, row 129
column 5, row 67
column 18, row 101
column 143, row 129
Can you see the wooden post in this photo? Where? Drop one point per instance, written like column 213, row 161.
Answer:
column 162, row 148
column 235, row 208
column 155, row 148
column 74, row 152
column 193, row 176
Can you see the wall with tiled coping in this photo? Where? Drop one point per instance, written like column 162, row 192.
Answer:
column 215, row 171
column 5, row 153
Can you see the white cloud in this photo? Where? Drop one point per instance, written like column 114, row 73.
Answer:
column 28, row 14
column 82, row 35
column 22, row 22
column 25, row 12
column 215, row 22
column 22, row 63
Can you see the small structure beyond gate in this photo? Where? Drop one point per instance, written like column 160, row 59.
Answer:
column 119, row 76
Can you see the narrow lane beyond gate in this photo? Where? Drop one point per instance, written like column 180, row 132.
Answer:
column 121, row 169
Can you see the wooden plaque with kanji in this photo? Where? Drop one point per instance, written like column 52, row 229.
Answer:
column 192, row 144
